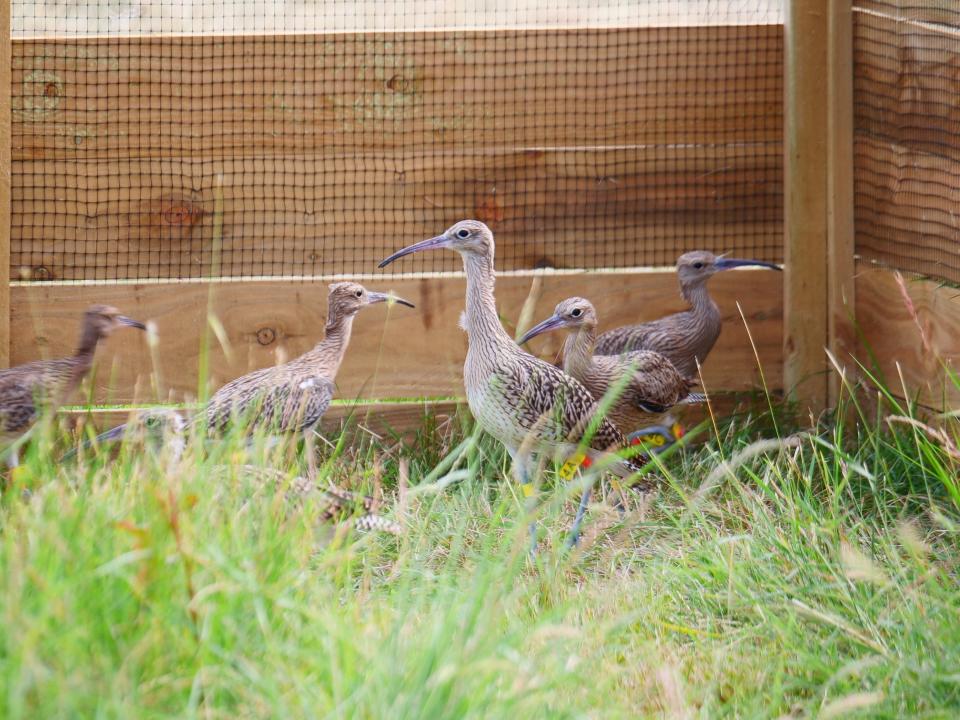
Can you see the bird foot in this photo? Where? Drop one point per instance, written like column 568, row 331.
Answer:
column 656, row 438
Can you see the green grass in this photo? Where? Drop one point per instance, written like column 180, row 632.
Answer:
column 773, row 575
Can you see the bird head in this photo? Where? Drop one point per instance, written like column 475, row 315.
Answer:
column 699, row 266
column 467, row 237
column 348, row 298
column 104, row 319
column 154, row 428
column 573, row 312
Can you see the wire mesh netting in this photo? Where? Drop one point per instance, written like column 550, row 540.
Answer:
column 162, row 140
column 907, row 135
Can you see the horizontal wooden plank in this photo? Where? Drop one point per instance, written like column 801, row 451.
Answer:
column 916, row 327
column 383, row 419
column 386, row 420
column 318, row 215
column 906, row 83
column 55, row 18
column 395, row 352
column 938, row 12
column 234, row 96
column 906, row 208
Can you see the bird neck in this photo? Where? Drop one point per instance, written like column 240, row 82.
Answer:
column 699, row 298
column 89, row 338
column 578, row 351
column 329, row 352
column 81, row 363
column 481, row 320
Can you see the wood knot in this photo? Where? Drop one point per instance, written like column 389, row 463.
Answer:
column 183, row 213
column 169, row 217
column 266, row 336
column 488, row 210
column 41, row 94
column 401, row 85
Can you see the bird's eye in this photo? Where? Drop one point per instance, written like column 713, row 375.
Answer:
column 463, row 233
column 698, row 265
column 152, row 422
column 576, row 312
column 359, row 293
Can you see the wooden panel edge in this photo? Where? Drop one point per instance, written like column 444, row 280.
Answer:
column 909, row 331
column 841, row 299
column 5, row 178
column 806, row 164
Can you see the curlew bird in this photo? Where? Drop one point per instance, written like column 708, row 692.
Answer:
column 26, row 391
column 164, row 431
column 530, row 406
column 159, row 430
column 290, row 399
column 684, row 338
column 645, row 382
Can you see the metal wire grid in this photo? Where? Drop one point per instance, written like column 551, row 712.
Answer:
column 907, row 136
column 274, row 149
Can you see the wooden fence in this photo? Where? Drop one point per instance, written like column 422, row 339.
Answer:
column 906, row 59
column 668, row 176
column 808, row 123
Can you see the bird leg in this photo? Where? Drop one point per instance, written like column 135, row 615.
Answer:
column 309, row 448
column 619, row 496
column 581, row 511
column 521, row 468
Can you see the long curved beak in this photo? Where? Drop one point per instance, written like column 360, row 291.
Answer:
column 730, row 263
column 377, row 297
column 104, row 437
column 551, row 323
column 433, row 243
column 109, row 435
column 130, row 322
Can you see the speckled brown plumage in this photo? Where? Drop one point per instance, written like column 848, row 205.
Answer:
column 528, row 405
column 27, row 390
column 684, row 338
column 164, row 431
column 341, row 503
column 645, row 382
column 292, row 397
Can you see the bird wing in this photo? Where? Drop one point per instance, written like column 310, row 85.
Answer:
column 655, row 385
column 627, row 338
column 666, row 335
column 271, row 399
column 17, row 405
column 24, row 388
column 554, row 407
column 682, row 338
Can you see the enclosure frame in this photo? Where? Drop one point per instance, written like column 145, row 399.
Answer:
column 823, row 281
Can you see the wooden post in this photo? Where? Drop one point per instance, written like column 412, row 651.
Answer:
column 842, row 339
column 818, row 193
column 5, row 183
